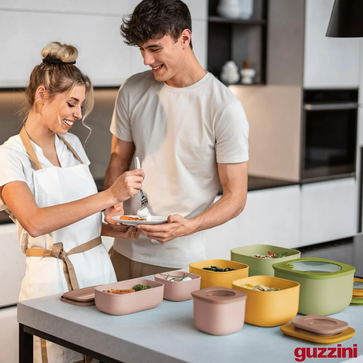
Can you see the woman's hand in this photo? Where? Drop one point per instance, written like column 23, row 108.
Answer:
column 128, row 232
column 127, row 185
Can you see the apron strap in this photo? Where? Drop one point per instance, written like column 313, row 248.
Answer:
column 32, row 154
column 30, row 149
column 57, row 251
column 71, row 148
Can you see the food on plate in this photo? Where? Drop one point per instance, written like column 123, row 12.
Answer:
column 172, row 278
column 218, row 269
column 136, row 218
column 260, row 287
column 140, row 287
column 271, row 255
column 119, row 292
column 143, row 212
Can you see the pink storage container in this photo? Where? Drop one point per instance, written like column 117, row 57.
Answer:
column 219, row 310
column 133, row 302
column 178, row 290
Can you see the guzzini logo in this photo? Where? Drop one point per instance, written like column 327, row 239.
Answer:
column 332, row 352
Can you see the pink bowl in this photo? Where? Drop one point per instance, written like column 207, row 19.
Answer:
column 178, row 290
column 128, row 303
column 219, row 310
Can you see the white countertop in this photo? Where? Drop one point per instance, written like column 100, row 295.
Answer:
column 167, row 334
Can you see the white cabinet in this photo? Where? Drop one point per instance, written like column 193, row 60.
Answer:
column 271, row 216
column 328, row 211
column 12, row 265
column 328, row 62
column 92, row 26
column 9, row 336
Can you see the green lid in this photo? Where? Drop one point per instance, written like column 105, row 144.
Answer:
column 314, row 268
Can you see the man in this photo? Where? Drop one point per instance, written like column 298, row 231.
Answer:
column 190, row 134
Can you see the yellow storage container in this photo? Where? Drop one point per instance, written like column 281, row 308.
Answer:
column 212, row 278
column 269, row 308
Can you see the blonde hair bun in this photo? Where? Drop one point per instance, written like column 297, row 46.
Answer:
column 64, row 52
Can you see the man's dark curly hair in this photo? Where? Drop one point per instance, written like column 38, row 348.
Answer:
column 155, row 19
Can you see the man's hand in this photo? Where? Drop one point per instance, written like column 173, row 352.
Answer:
column 177, row 226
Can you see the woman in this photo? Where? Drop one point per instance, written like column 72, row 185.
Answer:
column 47, row 188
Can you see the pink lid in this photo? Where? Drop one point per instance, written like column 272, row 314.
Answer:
column 320, row 324
column 219, row 295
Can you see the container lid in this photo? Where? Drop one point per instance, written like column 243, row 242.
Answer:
column 358, row 287
column 218, row 295
column 314, row 268
column 320, row 324
column 303, row 335
column 81, row 297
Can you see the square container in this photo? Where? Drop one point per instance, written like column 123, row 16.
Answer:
column 326, row 286
column 269, row 308
column 261, row 266
column 178, row 290
column 218, row 310
column 211, row 278
column 128, row 303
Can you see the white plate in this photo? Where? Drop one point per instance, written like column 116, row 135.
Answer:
column 153, row 220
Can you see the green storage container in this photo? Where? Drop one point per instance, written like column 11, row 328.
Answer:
column 261, row 266
column 326, row 286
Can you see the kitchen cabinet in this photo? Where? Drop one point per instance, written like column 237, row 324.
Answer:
column 9, row 335
column 94, row 28
column 238, row 40
column 328, row 62
column 328, row 211
column 271, row 216
column 299, row 53
column 12, row 265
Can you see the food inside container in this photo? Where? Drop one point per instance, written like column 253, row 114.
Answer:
column 178, row 285
column 234, row 271
column 271, row 255
column 218, row 269
column 260, row 257
column 260, row 287
column 142, row 298
column 326, row 286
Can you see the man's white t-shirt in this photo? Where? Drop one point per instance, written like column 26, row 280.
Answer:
column 180, row 134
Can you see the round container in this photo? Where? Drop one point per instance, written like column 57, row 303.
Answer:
column 326, row 286
column 211, row 278
column 219, row 310
column 261, row 266
column 178, row 290
column 269, row 308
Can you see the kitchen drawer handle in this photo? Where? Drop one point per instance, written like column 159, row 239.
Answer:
column 331, row 106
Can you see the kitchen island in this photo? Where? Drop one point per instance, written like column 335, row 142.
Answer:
column 165, row 334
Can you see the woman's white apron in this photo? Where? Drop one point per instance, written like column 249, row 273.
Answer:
column 69, row 258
